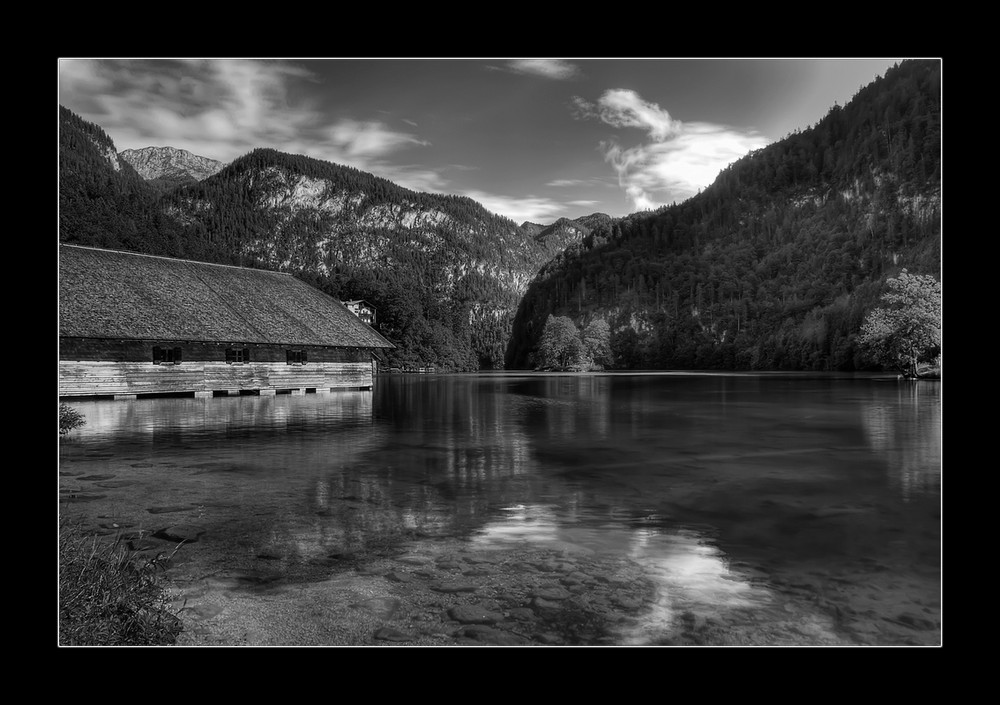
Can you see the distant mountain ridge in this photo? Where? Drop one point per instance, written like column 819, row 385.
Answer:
column 567, row 231
column 168, row 167
column 444, row 273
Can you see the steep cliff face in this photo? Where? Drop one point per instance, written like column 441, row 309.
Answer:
column 168, row 167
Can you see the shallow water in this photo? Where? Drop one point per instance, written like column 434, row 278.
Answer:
column 804, row 508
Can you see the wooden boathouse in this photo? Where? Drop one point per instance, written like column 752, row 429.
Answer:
column 133, row 325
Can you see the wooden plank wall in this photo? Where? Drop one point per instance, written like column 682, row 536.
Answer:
column 110, row 378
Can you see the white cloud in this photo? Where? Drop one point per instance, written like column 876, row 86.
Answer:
column 519, row 209
column 573, row 183
column 624, row 108
column 556, row 69
column 221, row 109
column 231, row 106
column 678, row 160
column 369, row 139
column 413, row 177
column 80, row 77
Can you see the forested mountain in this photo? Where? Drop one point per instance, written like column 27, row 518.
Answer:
column 565, row 231
column 103, row 202
column 776, row 263
column 166, row 168
column 444, row 274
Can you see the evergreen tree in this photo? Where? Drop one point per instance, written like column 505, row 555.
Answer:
column 596, row 338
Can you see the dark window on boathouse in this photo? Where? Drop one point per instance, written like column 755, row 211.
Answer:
column 166, row 356
column 235, row 356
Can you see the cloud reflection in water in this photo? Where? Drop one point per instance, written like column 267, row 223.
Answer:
column 691, row 574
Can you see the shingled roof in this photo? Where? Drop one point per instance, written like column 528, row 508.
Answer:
column 111, row 294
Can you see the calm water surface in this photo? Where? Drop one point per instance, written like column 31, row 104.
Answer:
column 774, row 494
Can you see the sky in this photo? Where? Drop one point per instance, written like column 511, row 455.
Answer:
column 532, row 139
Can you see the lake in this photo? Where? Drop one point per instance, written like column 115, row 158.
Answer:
column 659, row 509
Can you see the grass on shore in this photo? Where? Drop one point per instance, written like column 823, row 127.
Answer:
column 109, row 595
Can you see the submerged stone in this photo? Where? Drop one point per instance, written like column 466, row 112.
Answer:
column 455, row 587
column 523, row 614
column 488, row 635
column 916, row 621
column 472, row 614
column 74, row 497
column 551, row 593
column 390, row 634
column 542, row 603
column 549, row 639
column 169, row 509
column 188, row 533
column 384, row 607
column 415, row 560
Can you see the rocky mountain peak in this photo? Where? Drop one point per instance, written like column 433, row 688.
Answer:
column 169, row 166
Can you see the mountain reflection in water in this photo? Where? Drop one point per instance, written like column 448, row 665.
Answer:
column 756, row 497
